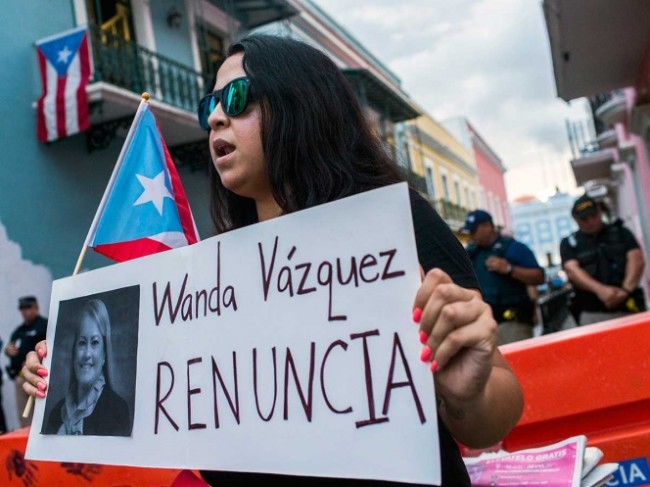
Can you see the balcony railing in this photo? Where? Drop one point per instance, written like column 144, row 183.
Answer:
column 127, row 65
column 415, row 181
column 451, row 211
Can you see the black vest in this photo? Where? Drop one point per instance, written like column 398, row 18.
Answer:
column 603, row 257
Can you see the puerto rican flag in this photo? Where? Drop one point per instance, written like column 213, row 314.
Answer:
column 64, row 63
column 144, row 209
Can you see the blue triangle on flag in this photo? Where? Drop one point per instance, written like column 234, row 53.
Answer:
column 60, row 51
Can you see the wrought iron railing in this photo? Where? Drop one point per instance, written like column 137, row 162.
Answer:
column 415, row 180
column 451, row 211
column 125, row 64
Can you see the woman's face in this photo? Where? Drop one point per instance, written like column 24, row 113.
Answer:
column 89, row 353
column 236, row 142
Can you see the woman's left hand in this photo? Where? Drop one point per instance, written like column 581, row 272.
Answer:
column 458, row 328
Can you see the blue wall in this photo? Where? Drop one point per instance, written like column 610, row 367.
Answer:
column 49, row 192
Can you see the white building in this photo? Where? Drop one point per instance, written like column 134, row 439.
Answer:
column 543, row 224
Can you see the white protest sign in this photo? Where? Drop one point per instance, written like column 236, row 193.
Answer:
column 283, row 347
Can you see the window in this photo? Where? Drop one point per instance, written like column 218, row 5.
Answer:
column 523, row 234
column 457, row 191
column 544, row 232
column 445, row 187
column 564, row 226
column 431, row 189
column 211, row 50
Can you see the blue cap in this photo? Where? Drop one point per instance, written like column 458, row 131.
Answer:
column 474, row 219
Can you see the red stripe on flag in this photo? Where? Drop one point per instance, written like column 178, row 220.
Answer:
column 131, row 250
column 41, row 130
column 60, row 106
column 82, row 99
column 184, row 212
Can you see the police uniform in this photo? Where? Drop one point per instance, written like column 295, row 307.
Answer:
column 25, row 337
column 508, row 297
column 604, row 257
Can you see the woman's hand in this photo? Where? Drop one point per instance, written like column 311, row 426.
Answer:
column 480, row 398
column 33, row 371
column 458, row 328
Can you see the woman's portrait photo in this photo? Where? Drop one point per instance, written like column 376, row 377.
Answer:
column 93, row 374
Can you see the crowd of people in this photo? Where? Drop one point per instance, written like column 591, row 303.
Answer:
column 286, row 132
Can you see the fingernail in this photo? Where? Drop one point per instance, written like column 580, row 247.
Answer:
column 41, row 386
column 42, row 372
column 423, row 337
column 40, row 394
column 433, row 366
column 41, row 352
column 426, row 354
column 417, row 315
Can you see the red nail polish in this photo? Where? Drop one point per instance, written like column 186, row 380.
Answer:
column 40, row 394
column 417, row 315
column 41, row 353
column 426, row 354
column 42, row 372
column 41, row 386
column 434, row 366
column 423, row 337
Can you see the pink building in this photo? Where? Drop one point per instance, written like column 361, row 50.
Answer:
column 490, row 177
column 492, row 187
column 601, row 50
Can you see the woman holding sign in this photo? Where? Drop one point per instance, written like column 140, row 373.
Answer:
column 287, row 133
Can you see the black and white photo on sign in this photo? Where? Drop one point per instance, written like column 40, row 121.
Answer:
column 92, row 385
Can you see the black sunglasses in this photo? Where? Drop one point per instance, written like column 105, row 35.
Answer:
column 234, row 97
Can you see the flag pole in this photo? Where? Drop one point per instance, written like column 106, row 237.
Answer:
column 93, row 227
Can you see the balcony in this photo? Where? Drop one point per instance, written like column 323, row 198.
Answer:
column 607, row 139
column 612, row 109
column 452, row 213
column 122, row 71
column 415, row 181
column 594, row 166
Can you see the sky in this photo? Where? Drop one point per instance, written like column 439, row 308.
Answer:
column 487, row 60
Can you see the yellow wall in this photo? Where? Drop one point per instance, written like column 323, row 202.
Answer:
column 441, row 163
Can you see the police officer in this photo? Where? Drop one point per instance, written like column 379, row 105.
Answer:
column 604, row 263
column 505, row 268
column 23, row 340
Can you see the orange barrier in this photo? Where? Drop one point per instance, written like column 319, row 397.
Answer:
column 592, row 380
column 18, row 472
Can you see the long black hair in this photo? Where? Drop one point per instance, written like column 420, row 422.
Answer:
column 318, row 145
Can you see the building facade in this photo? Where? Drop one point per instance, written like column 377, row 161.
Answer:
column 446, row 168
column 492, row 194
column 601, row 50
column 543, row 224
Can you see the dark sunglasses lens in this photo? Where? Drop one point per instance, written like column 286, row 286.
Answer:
column 206, row 106
column 234, row 97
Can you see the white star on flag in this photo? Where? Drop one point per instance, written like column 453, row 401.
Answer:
column 155, row 191
column 64, row 54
